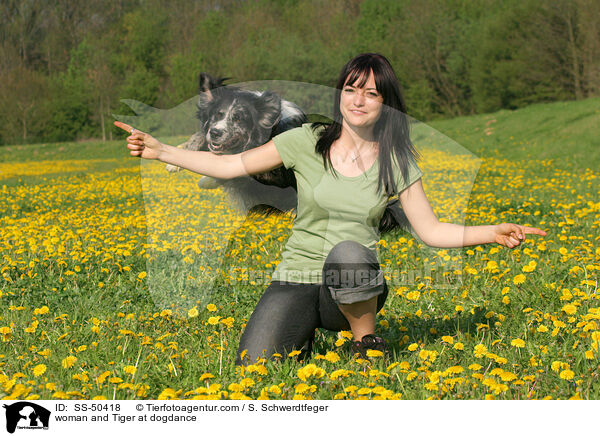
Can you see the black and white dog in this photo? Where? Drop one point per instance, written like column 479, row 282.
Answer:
column 233, row 120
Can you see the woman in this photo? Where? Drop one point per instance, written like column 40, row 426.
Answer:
column 329, row 276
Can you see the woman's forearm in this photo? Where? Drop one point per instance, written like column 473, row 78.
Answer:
column 448, row 235
column 201, row 162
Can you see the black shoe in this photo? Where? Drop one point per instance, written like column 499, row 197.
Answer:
column 369, row 342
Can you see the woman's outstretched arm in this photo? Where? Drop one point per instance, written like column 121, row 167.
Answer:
column 255, row 161
column 448, row 235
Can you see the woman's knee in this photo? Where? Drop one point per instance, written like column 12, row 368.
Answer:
column 351, row 273
column 350, row 252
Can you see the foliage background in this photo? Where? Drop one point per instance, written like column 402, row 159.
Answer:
column 64, row 65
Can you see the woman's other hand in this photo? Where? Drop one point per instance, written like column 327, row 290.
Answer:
column 511, row 235
column 141, row 144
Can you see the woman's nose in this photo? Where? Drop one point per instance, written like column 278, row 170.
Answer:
column 359, row 99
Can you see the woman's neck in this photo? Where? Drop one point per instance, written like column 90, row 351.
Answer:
column 356, row 137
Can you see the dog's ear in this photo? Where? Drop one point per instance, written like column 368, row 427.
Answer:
column 206, row 83
column 268, row 106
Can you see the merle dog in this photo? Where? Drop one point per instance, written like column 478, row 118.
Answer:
column 233, row 120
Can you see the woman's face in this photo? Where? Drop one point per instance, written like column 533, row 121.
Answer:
column 361, row 107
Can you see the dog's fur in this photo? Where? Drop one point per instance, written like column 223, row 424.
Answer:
column 233, row 120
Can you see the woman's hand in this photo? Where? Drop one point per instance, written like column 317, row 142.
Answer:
column 141, row 144
column 511, row 235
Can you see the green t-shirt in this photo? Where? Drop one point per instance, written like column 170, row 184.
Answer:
column 330, row 210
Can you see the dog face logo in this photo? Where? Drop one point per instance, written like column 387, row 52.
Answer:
column 26, row 415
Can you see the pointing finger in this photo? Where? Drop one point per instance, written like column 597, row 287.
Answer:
column 123, row 126
column 534, row 231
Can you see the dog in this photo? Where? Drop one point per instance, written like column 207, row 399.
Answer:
column 232, row 120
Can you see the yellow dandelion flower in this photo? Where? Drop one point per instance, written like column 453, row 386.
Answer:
column 459, row 346
column 214, row 320
column 39, row 369
column 480, row 350
column 142, row 275
column 413, row 347
column 167, row 394
column 193, row 312
column 41, row 311
column 340, row 342
column 542, row 329
column 302, row 388
column 448, row 339
column 518, row 279
column 506, row 299
column 228, row 322
column 332, row 357
column 459, row 309
column 211, row 307
column 310, row 370
column 413, row 295
column 567, row 374
column 129, row 369
column 374, row 353
column 346, row 334
column 519, row 343
column 69, row 361
column 294, row 353
column 569, row 309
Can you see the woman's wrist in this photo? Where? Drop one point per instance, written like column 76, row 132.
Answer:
column 163, row 151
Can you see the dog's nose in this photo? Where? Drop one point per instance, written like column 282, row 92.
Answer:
column 215, row 133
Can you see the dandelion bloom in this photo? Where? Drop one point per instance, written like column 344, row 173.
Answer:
column 519, row 343
column 193, row 312
column 567, row 374
column 374, row 353
column 332, row 357
column 214, row 320
column 518, row 279
column 480, row 350
column 569, row 309
column 211, row 307
column 39, row 369
column 129, row 369
column 69, row 361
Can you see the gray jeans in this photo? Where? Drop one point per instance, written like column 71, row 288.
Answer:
column 288, row 313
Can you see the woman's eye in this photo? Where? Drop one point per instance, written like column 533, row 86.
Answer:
column 373, row 94
column 348, row 90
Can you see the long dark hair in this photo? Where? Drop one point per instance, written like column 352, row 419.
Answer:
column 391, row 130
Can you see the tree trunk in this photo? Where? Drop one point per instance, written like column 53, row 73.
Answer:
column 574, row 58
column 102, row 118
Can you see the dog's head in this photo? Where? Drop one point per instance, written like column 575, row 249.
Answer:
column 235, row 120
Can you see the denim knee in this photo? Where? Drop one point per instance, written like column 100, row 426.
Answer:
column 351, row 273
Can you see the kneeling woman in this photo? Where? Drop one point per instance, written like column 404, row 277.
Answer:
column 346, row 171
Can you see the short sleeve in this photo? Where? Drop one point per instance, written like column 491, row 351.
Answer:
column 414, row 174
column 286, row 144
column 295, row 144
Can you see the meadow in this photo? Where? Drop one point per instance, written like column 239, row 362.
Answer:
column 126, row 282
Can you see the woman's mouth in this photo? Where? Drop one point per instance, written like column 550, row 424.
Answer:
column 357, row 112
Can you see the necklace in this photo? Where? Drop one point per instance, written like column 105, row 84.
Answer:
column 358, row 155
